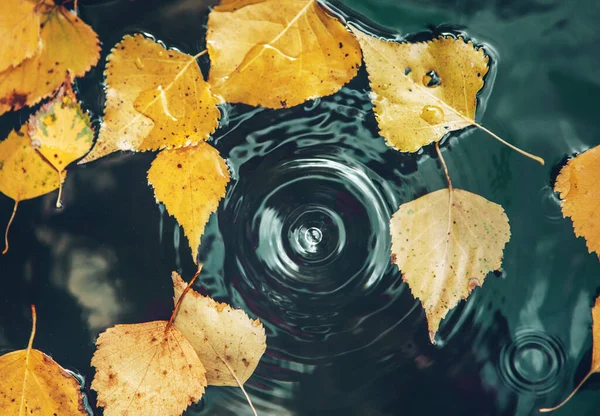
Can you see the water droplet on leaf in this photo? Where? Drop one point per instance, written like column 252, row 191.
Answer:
column 432, row 114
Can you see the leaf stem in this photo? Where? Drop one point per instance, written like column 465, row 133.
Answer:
column 199, row 54
column 12, row 217
column 239, row 384
column 439, row 152
column 185, row 291
column 33, row 326
column 504, row 142
column 60, row 186
column 551, row 409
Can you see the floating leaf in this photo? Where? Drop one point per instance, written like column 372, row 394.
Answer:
column 423, row 90
column 19, row 31
column 278, row 53
column 228, row 342
column 445, row 243
column 61, row 131
column 190, row 182
column 577, row 184
column 595, row 367
column 33, row 383
column 146, row 369
column 68, row 46
column 155, row 98
column 23, row 172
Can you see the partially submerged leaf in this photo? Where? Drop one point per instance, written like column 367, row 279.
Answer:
column 146, row 369
column 19, row 31
column 421, row 91
column 61, row 131
column 595, row 367
column 31, row 382
column 445, row 243
column 577, row 184
column 190, row 182
column 278, row 53
column 155, row 98
column 68, row 46
column 228, row 342
column 23, row 172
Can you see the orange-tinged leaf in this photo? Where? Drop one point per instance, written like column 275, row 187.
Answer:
column 33, row 383
column 155, row 98
column 68, row 46
column 228, row 342
column 61, row 131
column 146, row 369
column 23, row 172
column 577, row 184
column 445, row 243
column 422, row 91
column 278, row 53
column 19, row 31
column 190, row 182
column 595, row 367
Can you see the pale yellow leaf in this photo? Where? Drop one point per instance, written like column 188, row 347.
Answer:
column 421, row 91
column 190, row 182
column 141, row 369
column 278, row 53
column 155, row 98
column 228, row 342
column 445, row 243
column 577, row 184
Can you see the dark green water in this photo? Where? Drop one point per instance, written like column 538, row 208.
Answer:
column 345, row 336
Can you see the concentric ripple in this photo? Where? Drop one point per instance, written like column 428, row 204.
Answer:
column 305, row 225
column 533, row 363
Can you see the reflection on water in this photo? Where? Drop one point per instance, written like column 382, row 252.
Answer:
column 302, row 242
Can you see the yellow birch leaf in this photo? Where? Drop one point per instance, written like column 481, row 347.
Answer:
column 445, row 243
column 421, row 91
column 23, row 172
column 61, row 131
column 595, row 367
column 146, row 369
column 33, row 383
column 577, row 184
column 190, row 182
column 19, row 31
column 155, row 99
column 68, row 46
column 278, row 53
column 228, row 342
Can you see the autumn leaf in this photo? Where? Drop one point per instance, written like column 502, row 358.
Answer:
column 595, row 367
column 228, row 342
column 61, row 131
column 190, row 182
column 422, row 91
column 23, row 172
column 31, row 382
column 155, row 99
column 19, row 31
column 278, row 53
column 578, row 188
column 445, row 243
column 68, row 46
column 146, row 369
